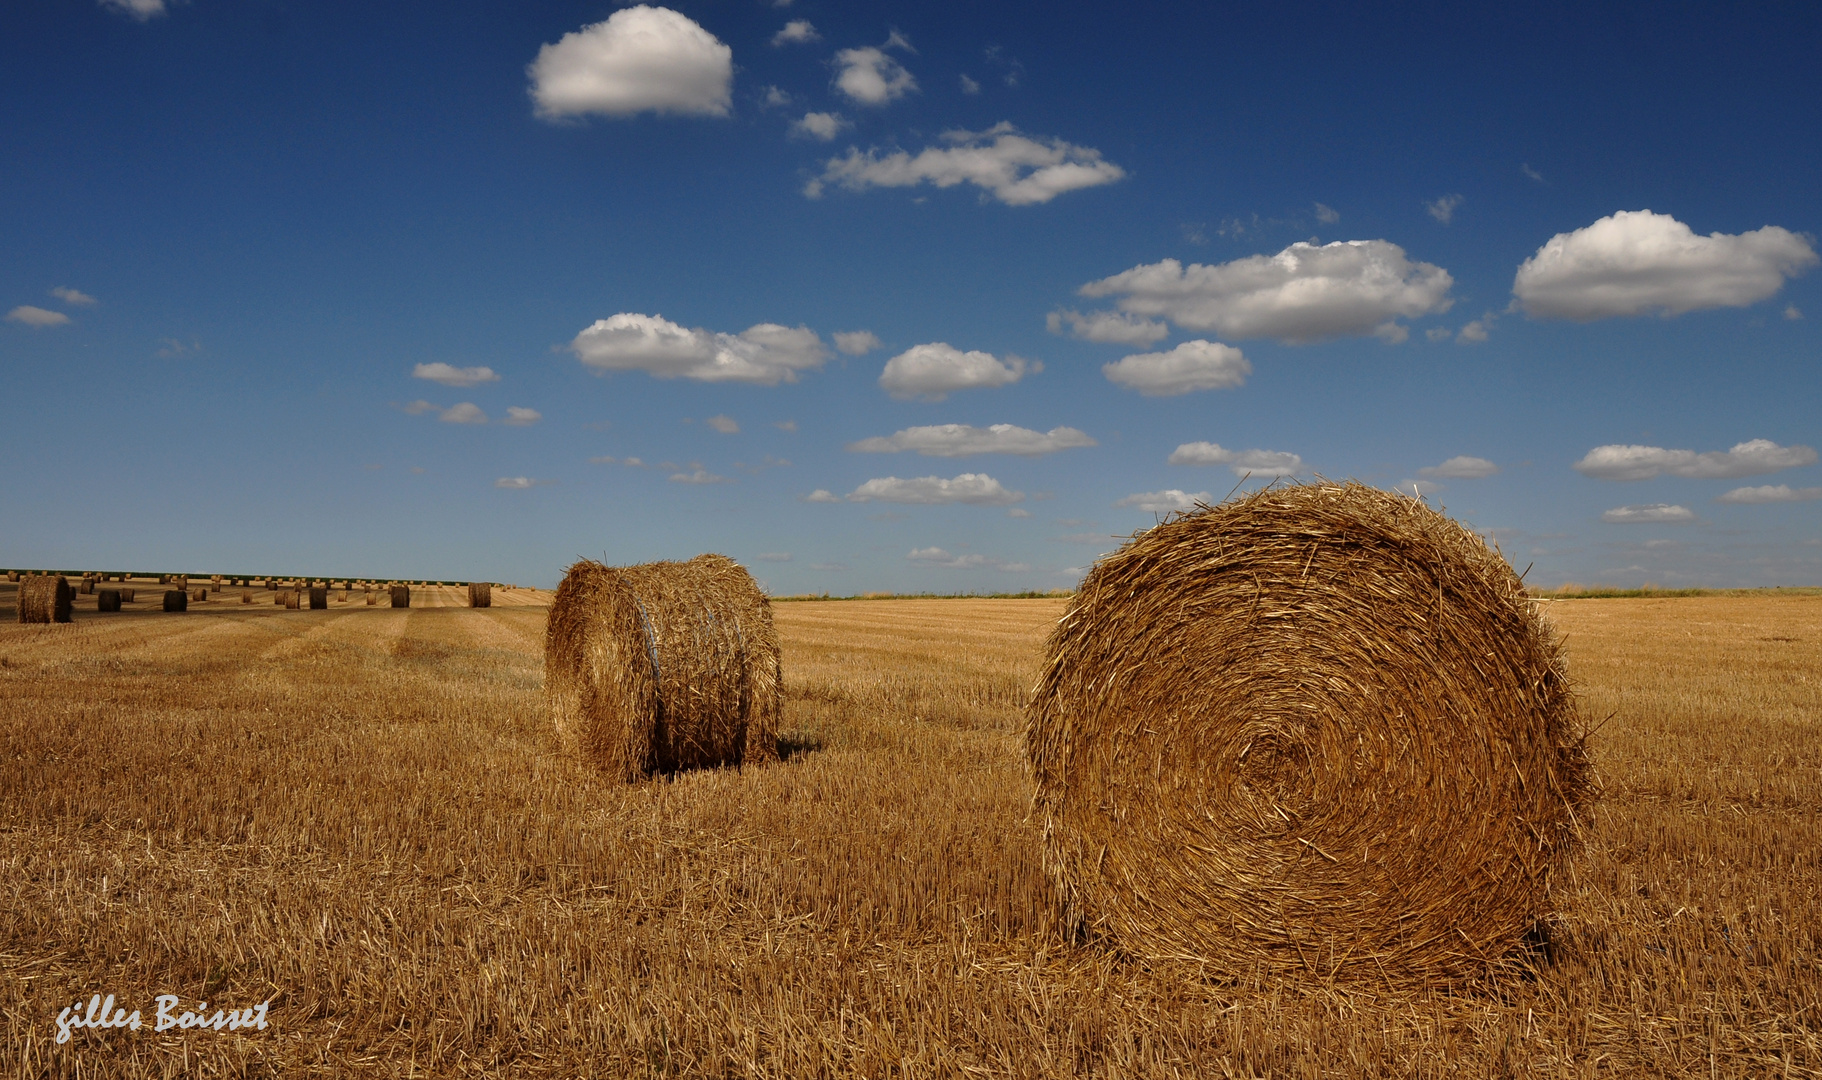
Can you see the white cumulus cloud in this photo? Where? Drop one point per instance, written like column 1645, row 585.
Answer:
column 939, row 558
column 766, row 354
column 641, row 59
column 1651, row 514
column 1303, row 293
column 73, row 297
column 869, row 77
column 466, row 412
column 1751, row 458
column 1193, row 365
column 1769, row 493
column 1635, row 261
column 1461, row 467
column 1242, row 462
column 37, row 317
column 962, row 440
column 727, row 425
column 822, row 495
column 974, row 489
column 454, row 376
column 1106, row 327
column 136, row 9
column 796, row 32
column 1443, row 208
column 1164, row 502
column 1015, row 169
column 519, row 416
column 931, row 371
column 856, row 342
column 822, row 126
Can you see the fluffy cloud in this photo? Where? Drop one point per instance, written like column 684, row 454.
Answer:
column 37, row 317
column 1460, row 467
column 1164, row 502
column 454, row 376
column 1328, row 215
column 766, row 354
column 1652, row 514
column 1107, row 327
column 974, row 489
column 932, row 371
column 1193, row 365
column 856, row 342
column 727, row 425
column 73, row 297
column 1242, row 462
column 1644, row 462
column 869, row 77
column 1636, row 261
column 961, row 440
column 819, row 125
column 1013, row 168
column 1417, row 487
column 822, row 495
column 1303, row 293
column 466, row 412
column 419, row 407
column 517, row 416
column 937, row 557
column 796, row 32
column 1769, row 493
column 642, row 59
column 136, row 9
column 1443, row 209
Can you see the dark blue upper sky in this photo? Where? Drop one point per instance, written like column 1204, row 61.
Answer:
column 232, row 233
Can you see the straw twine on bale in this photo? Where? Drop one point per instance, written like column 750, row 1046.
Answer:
column 107, row 600
column 401, row 596
column 663, row 666
column 44, row 598
column 1317, row 729
column 319, row 597
column 176, row 600
column 480, row 594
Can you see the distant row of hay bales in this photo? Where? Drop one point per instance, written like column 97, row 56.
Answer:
column 654, row 668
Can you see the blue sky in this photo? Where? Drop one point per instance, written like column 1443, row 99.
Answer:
column 901, row 297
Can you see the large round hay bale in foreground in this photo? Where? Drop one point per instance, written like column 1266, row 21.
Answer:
column 45, row 598
column 480, row 594
column 664, row 666
column 1315, row 730
column 176, row 600
column 319, row 598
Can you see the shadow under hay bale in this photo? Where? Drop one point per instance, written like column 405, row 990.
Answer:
column 45, row 598
column 176, row 600
column 319, row 597
column 664, row 666
column 107, row 600
column 480, row 594
column 1316, row 730
column 401, row 596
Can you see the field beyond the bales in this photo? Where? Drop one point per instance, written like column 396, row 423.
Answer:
column 362, row 816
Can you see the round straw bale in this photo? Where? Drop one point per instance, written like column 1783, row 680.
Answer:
column 107, row 600
column 126, row 595
column 663, row 666
column 480, row 594
column 294, row 599
column 199, row 594
column 44, row 598
column 176, row 600
column 12, row 575
column 372, row 599
column 246, row 598
column 319, row 597
column 1317, row 729
column 401, row 596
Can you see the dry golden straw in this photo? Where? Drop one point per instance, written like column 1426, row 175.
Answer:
column 401, row 596
column 663, row 666
column 1318, row 730
column 44, row 598
column 480, row 594
column 176, row 600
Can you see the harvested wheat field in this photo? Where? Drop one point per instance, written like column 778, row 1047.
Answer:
column 364, row 816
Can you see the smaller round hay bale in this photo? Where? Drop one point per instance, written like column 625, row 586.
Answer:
column 319, row 597
column 373, row 598
column 246, row 598
column 176, row 600
column 1318, row 731
column 126, row 595
column 107, row 600
column 45, row 598
column 87, row 588
column 480, row 594
column 12, row 575
column 401, row 596
column 199, row 595
column 294, row 600
column 663, row 666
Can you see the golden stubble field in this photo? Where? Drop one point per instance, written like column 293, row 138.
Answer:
column 361, row 815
